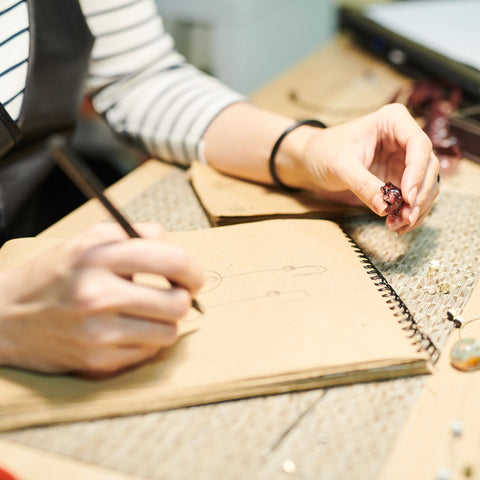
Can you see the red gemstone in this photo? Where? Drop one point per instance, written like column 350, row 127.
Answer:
column 392, row 196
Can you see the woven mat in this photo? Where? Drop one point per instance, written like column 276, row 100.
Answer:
column 433, row 268
column 344, row 432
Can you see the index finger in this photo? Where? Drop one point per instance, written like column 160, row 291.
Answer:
column 140, row 255
column 418, row 150
column 110, row 232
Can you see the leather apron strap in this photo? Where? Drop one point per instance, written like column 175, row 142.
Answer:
column 10, row 134
column 58, row 64
column 60, row 48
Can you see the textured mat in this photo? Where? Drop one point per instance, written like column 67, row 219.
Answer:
column 435, row 267
column 344, row 432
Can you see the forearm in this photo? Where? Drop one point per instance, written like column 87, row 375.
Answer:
column 144, row 88
column 240, row 140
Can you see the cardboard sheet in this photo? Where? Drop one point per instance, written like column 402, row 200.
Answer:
column 228, row 200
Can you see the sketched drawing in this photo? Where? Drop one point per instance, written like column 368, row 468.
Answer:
column 213, row 279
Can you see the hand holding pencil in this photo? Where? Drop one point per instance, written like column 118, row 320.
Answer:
column 91, row 187
column 73, row 306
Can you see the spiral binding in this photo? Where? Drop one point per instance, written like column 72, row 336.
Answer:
column 418, row 338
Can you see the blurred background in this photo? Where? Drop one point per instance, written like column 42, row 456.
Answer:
column 246, row 43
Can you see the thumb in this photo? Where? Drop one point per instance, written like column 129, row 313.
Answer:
column 367, row 187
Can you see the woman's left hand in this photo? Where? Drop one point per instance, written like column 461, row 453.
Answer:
column 350, row 163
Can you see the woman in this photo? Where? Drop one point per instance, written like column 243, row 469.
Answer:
column 75, row 308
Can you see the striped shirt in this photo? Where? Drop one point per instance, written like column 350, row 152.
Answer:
column 143, row 87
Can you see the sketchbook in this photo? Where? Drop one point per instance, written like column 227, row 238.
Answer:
column 228, row 200
column 290, row 305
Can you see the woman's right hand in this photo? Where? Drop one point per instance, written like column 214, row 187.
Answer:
column 75, row 308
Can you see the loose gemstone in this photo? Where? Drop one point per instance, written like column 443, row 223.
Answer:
column 468, row 471
column 392, row 196
column 465, row 354
column 444, row 287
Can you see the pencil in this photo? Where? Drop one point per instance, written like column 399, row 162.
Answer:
column 91, row 187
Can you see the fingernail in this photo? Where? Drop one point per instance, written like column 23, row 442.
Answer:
column 379, row 205
column 394, row 225
column 412, row 195
column 414, row 215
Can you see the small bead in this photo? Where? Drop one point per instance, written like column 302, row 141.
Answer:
column 432, row 290
column 468, row 471
column 431, row 277
column 458, row 321
column 451, row 314
column 444, row 474
column 434, row 265
column 288, row 466
column 457, row 428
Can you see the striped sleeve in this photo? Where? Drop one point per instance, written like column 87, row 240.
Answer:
column 144, row 88
column 14, row 50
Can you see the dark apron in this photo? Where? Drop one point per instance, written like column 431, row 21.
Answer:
column 60, row 47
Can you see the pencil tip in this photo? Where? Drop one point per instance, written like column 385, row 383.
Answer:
column 196, row 305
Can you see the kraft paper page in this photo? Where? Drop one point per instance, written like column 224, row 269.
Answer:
column 289, row 306
column 229, row 200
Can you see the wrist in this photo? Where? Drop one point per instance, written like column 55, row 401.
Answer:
column 7, row 317
column 288, row 164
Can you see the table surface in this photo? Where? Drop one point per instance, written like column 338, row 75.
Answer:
column 362, row 431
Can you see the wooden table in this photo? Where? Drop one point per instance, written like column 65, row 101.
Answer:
column 392, row 429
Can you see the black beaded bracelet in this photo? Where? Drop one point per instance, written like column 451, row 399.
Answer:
column 271, row 161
